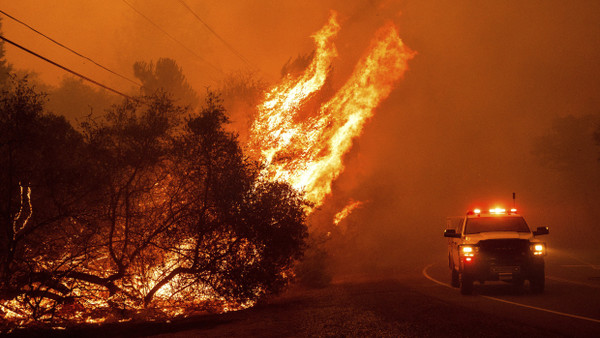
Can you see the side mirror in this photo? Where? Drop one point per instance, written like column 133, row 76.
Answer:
column 451, row 233
column 541, row 231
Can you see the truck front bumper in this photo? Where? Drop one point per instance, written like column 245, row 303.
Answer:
column 507, row 271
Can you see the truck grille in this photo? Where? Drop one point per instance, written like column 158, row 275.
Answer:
column 505, row 252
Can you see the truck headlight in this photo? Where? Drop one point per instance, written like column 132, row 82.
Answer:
column 468, row 250
column 538, row 249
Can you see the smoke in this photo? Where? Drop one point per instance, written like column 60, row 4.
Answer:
column 460, row 129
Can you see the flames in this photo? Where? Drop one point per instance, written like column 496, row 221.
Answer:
column 346, row 211
column 305, row 150
column 308, row 152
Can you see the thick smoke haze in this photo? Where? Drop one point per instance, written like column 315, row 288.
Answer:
column 473, row 121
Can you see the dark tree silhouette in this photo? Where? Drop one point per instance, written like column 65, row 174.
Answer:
column 5, row 67
column 165, row 76
column 242, row 234
column 144, row 208
column 42, row 198
column 570, row 151
column 295, row 67
column 241, row 93
column 569, row 145
column 75, row 100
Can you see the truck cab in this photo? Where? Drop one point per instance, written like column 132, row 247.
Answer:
column 494, row 246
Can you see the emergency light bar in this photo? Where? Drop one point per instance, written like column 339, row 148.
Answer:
column 493, row 211
column 497, row 211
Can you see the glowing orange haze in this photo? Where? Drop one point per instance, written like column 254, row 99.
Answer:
column 308, row 153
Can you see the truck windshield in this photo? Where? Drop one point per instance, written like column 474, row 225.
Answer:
column 487, row 224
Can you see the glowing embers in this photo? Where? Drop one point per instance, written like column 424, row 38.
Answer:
column 307, row 152
column 25, row 211
column 346, row 211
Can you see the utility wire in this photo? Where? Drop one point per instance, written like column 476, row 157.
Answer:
column 172, row 38
column 67, row 69
column 233, row 50
column 69, row 49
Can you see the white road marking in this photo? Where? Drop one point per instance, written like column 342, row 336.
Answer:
column 433, row 279
column 509, row 302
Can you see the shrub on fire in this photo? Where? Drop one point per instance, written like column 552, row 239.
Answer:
column 146, row 208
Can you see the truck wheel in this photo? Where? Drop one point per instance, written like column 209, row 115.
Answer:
column 518, row 282
column 537, row 283
column 455, row 280
column 466, row 284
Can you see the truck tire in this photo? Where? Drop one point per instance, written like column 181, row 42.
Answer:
column 455, row 280
column 466, row 284
column 518, row 282
column 537, row 282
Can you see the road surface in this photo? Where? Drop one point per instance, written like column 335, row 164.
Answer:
column 570, row 304
column 421, row 303
column 413, row 301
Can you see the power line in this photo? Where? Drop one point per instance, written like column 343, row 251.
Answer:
column 172, row 38
column 233, row 50
column 67, row 69
column 69, row 49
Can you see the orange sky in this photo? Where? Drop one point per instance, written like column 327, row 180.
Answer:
column 266, row 33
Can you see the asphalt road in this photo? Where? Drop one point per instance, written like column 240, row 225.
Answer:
column 569, row 306
column 419, row 302
column 414, row 300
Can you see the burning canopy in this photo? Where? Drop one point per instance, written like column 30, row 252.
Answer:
column 307, row 152
column 169, row 216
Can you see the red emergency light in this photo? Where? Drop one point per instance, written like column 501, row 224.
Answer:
column 493, row 211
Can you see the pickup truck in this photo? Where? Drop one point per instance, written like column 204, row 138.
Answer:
column 495, row 246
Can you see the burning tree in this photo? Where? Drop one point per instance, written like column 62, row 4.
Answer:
column 154, row 208
column 237, row 234
column 303, row 135
column 145, row 209
column 42, row 202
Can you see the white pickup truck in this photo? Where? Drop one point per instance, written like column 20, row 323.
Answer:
column 495, row 246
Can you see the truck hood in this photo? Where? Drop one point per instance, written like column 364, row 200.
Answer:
column 474, row 238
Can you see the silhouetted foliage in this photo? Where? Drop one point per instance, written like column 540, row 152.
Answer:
column 75, row 100
column 5, row 67
column 570, row 150
column 597, row 136
column 241, row 93
column 42, row 198
column 569, row 145
column 165, row 76
column 242, row 234
column 313, row 270
column 294, row 67
column 144, row 208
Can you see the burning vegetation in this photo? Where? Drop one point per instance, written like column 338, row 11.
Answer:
column 146, row 210
column 155, row 211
